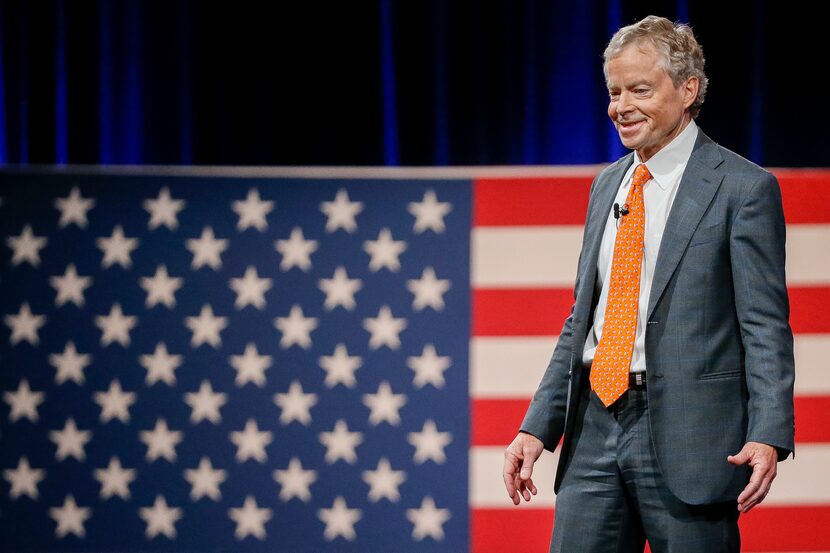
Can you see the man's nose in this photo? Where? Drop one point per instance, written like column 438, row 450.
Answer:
column 624, row 103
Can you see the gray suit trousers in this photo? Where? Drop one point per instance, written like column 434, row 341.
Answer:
column 613, row 496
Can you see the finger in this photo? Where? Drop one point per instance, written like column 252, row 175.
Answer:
column 527, row 486
column 758, row 496
column 527, row 464
column 509, row 476
column 750, row 489
column 741, row 458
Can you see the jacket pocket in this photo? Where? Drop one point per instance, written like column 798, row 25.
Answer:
column 722, row 375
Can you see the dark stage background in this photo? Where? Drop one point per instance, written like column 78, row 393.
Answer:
column 383, row 82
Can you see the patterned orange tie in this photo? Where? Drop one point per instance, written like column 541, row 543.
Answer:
column 609, row 370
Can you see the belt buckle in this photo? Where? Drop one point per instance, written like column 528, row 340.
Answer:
column 638, row 379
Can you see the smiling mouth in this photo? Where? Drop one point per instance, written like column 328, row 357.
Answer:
column 630, row 126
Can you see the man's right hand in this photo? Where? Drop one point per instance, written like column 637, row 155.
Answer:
column 518, row 466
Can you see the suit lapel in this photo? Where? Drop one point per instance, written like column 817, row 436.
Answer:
column 695, row 191
column 598, row 216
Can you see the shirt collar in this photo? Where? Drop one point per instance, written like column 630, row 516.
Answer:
column 672, row 158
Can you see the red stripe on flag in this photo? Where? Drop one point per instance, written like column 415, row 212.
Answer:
column 806, row 195
column 810, row 309
column 564, row 200
column 764, row 529
column 496, row 421
column 812, row 419
column 541, row 311
column 500, row 530
column 520, row 312
column 531, row 201
column 786, row 528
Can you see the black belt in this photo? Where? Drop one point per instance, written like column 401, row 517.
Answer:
column 637, row 381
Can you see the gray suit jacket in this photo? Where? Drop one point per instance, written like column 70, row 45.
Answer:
column 719, row 348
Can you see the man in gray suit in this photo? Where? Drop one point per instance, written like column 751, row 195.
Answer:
column 672, row 379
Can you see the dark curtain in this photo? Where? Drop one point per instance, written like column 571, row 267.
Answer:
column 426, row 82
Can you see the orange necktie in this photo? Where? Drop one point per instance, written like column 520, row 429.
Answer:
column 609, row 370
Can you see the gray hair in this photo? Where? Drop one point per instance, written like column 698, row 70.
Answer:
column 681, row 55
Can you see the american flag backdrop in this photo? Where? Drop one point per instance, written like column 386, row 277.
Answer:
column 319, row 360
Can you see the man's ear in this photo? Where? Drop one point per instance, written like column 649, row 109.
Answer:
column 690, row 89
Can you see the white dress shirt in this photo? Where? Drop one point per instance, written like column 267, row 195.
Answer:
column 666, row 168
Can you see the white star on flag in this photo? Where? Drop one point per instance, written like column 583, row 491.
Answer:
column 115, row 403
column 206, row 328
column 339, row 520
column 429, row 368
column 295, row 404
column 340, row 443
column 163, row 210
column 428, row 520
column 428, row 290
column 70, row 518
column 70, row 364
column 294, row 481
column 296, row 251
column 384, row 251
column 23, row 480
column 296, row 328
column 205, row 403
column 250, row 289
column 70, row 441
column 341, row 212
column 24, row 402
column 340, row 367
column 26, row 247
column 384, row 405
column 117, row 249
column 429, row 213
column 25, row 325
column 340, row 289
column 385, row 329
column 251, row 442
column 161, row 288
column 250, row 519
column 384, row 482
column 252, row 211
column 205, row 480
column 250, row 366
column 116, row 326
column 206, row 250
column 115, row 480
column 429, row 443
column 73, row 208
column 160, row 518
column 160, row 441
column 70, row 286
column 160, row 365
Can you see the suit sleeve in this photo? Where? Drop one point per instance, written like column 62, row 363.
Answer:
column 545, row 417
column 757, row 244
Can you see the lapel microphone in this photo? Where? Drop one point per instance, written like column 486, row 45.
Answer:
column 620, row 210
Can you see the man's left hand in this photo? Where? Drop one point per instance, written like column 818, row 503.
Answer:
column 763, row 459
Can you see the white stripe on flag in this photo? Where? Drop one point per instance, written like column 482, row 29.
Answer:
column 533, row 257
column 523, row 257
column 799, row 480
column 508, row 367
column 487, row 486
column 511, row 367
column 804, row 265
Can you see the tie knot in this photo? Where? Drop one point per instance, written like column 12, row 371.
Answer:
column 641, row 175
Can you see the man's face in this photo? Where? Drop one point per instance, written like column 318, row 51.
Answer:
column 646, row 108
